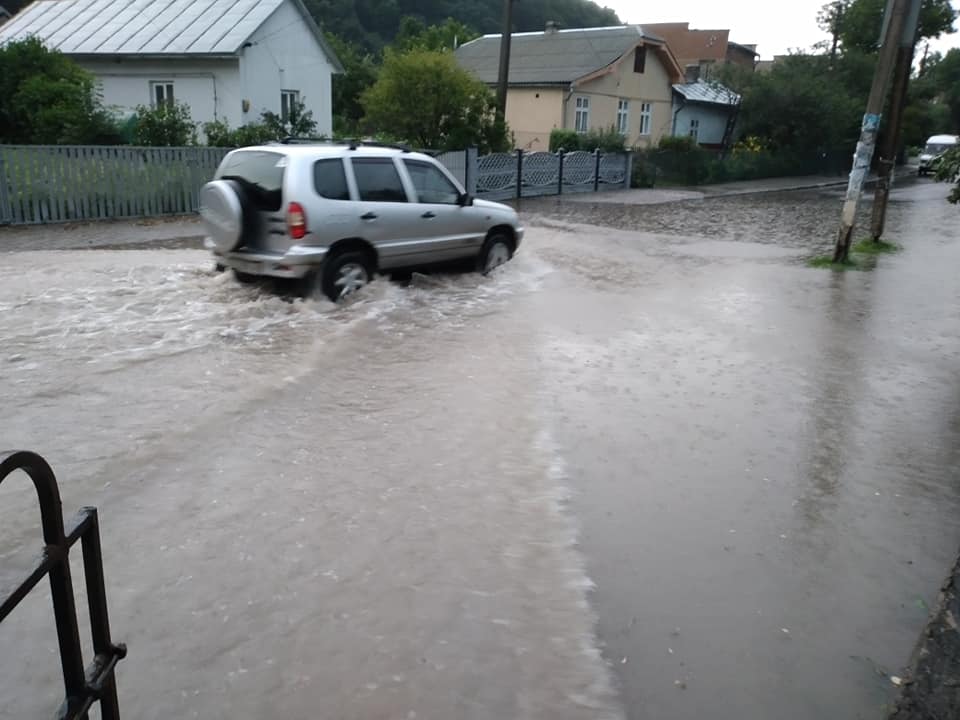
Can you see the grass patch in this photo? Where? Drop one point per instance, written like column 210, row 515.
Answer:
column 868, row 247
column 826, row 261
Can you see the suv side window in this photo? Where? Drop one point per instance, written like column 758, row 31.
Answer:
column 329, row 179
column 432, row 186
column 378, row 180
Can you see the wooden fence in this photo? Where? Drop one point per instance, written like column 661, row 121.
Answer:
column 41, row 184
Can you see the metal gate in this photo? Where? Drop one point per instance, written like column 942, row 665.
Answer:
column 97, row 683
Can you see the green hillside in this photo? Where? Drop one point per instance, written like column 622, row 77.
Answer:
column 374, row 23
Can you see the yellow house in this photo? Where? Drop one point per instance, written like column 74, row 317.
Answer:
column 584, row 79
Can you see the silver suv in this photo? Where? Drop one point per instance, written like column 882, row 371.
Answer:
column 333, row 215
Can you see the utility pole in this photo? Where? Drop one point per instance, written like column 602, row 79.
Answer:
column 896, row 19
column 504, row 76
column 898, row 102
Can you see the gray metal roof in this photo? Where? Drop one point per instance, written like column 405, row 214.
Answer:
column 147, row 27
column 707, row 92
column 544, row 58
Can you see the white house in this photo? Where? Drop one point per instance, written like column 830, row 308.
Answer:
column 226, row 59
column 706, row 111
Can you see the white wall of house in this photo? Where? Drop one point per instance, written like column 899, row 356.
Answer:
column 211, row 88
column 283, row 54
column 712, row 121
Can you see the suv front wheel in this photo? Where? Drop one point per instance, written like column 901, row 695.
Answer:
column 497, row 250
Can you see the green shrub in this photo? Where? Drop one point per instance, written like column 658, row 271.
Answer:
column 607, row 141
column 165, row 125
column 566, row 140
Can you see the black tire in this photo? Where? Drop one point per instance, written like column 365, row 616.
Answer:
column 245, row 278
column 492, row 254
column 341, row 275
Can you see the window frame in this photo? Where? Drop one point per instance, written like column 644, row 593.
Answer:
column 356, row 162
column 623, row 116
column 646, row 118
column 167, row 90
column 581, row 109
column 408, row 162
column 285, row 103
column 695, row 129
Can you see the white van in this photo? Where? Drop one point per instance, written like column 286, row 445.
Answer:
column 936, row 146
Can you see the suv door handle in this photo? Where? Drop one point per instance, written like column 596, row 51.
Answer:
column 369, row 216
column 428, row 214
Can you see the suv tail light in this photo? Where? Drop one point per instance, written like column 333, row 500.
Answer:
column 296, row 221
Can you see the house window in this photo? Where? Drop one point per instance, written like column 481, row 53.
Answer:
column 289, row 99
column 582, row 120
column 640, row 60
column 646, row 117
column 695, row 129
column 623, row 117
column 161, row 92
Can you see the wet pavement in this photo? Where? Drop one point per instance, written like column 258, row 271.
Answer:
column 372, row 509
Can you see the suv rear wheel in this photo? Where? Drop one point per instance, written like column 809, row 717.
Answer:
column 342, row 275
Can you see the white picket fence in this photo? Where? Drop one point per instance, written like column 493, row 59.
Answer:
column 65, row 183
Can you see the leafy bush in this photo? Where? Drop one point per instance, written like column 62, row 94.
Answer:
column 560, row 139
column 165, row 125
column 948, row 170
column 608, row 141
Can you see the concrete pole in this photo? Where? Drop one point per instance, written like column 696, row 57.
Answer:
column 891, row 142
column 898, row 103
column 504, row 75
column 897, row 11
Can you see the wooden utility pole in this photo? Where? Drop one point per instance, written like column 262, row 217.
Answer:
column 898, row 103
column 896, row 19
column 503, row 80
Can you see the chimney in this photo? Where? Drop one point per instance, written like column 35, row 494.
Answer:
column 692, row 74
column 552, row 27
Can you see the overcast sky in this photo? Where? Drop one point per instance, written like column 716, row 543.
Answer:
column 775, row 27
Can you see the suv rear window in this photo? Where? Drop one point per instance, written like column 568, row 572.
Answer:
column 329, row 180
column 378, row 180
column 261, row 175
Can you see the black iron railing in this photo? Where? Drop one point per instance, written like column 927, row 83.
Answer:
column 96, row 683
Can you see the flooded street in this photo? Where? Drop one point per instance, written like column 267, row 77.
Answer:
column 655, row 467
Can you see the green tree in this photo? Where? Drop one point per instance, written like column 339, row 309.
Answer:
column 948, row 170
column 448, row 35
column 360, row 72
column 862, row 22
column 46, row 98
column 425, row 98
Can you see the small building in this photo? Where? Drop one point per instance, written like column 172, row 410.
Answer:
column 582, row 80
column 226, row 59
column 706, row 111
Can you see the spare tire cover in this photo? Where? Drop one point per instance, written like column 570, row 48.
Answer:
column 222, row 211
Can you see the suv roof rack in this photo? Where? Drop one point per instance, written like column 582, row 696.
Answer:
column 354, row 144
column 291, row 140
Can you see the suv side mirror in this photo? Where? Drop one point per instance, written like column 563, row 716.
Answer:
column 465, row 200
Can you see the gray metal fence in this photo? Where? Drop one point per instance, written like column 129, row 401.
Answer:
column 43, row 184
column 40, row 183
